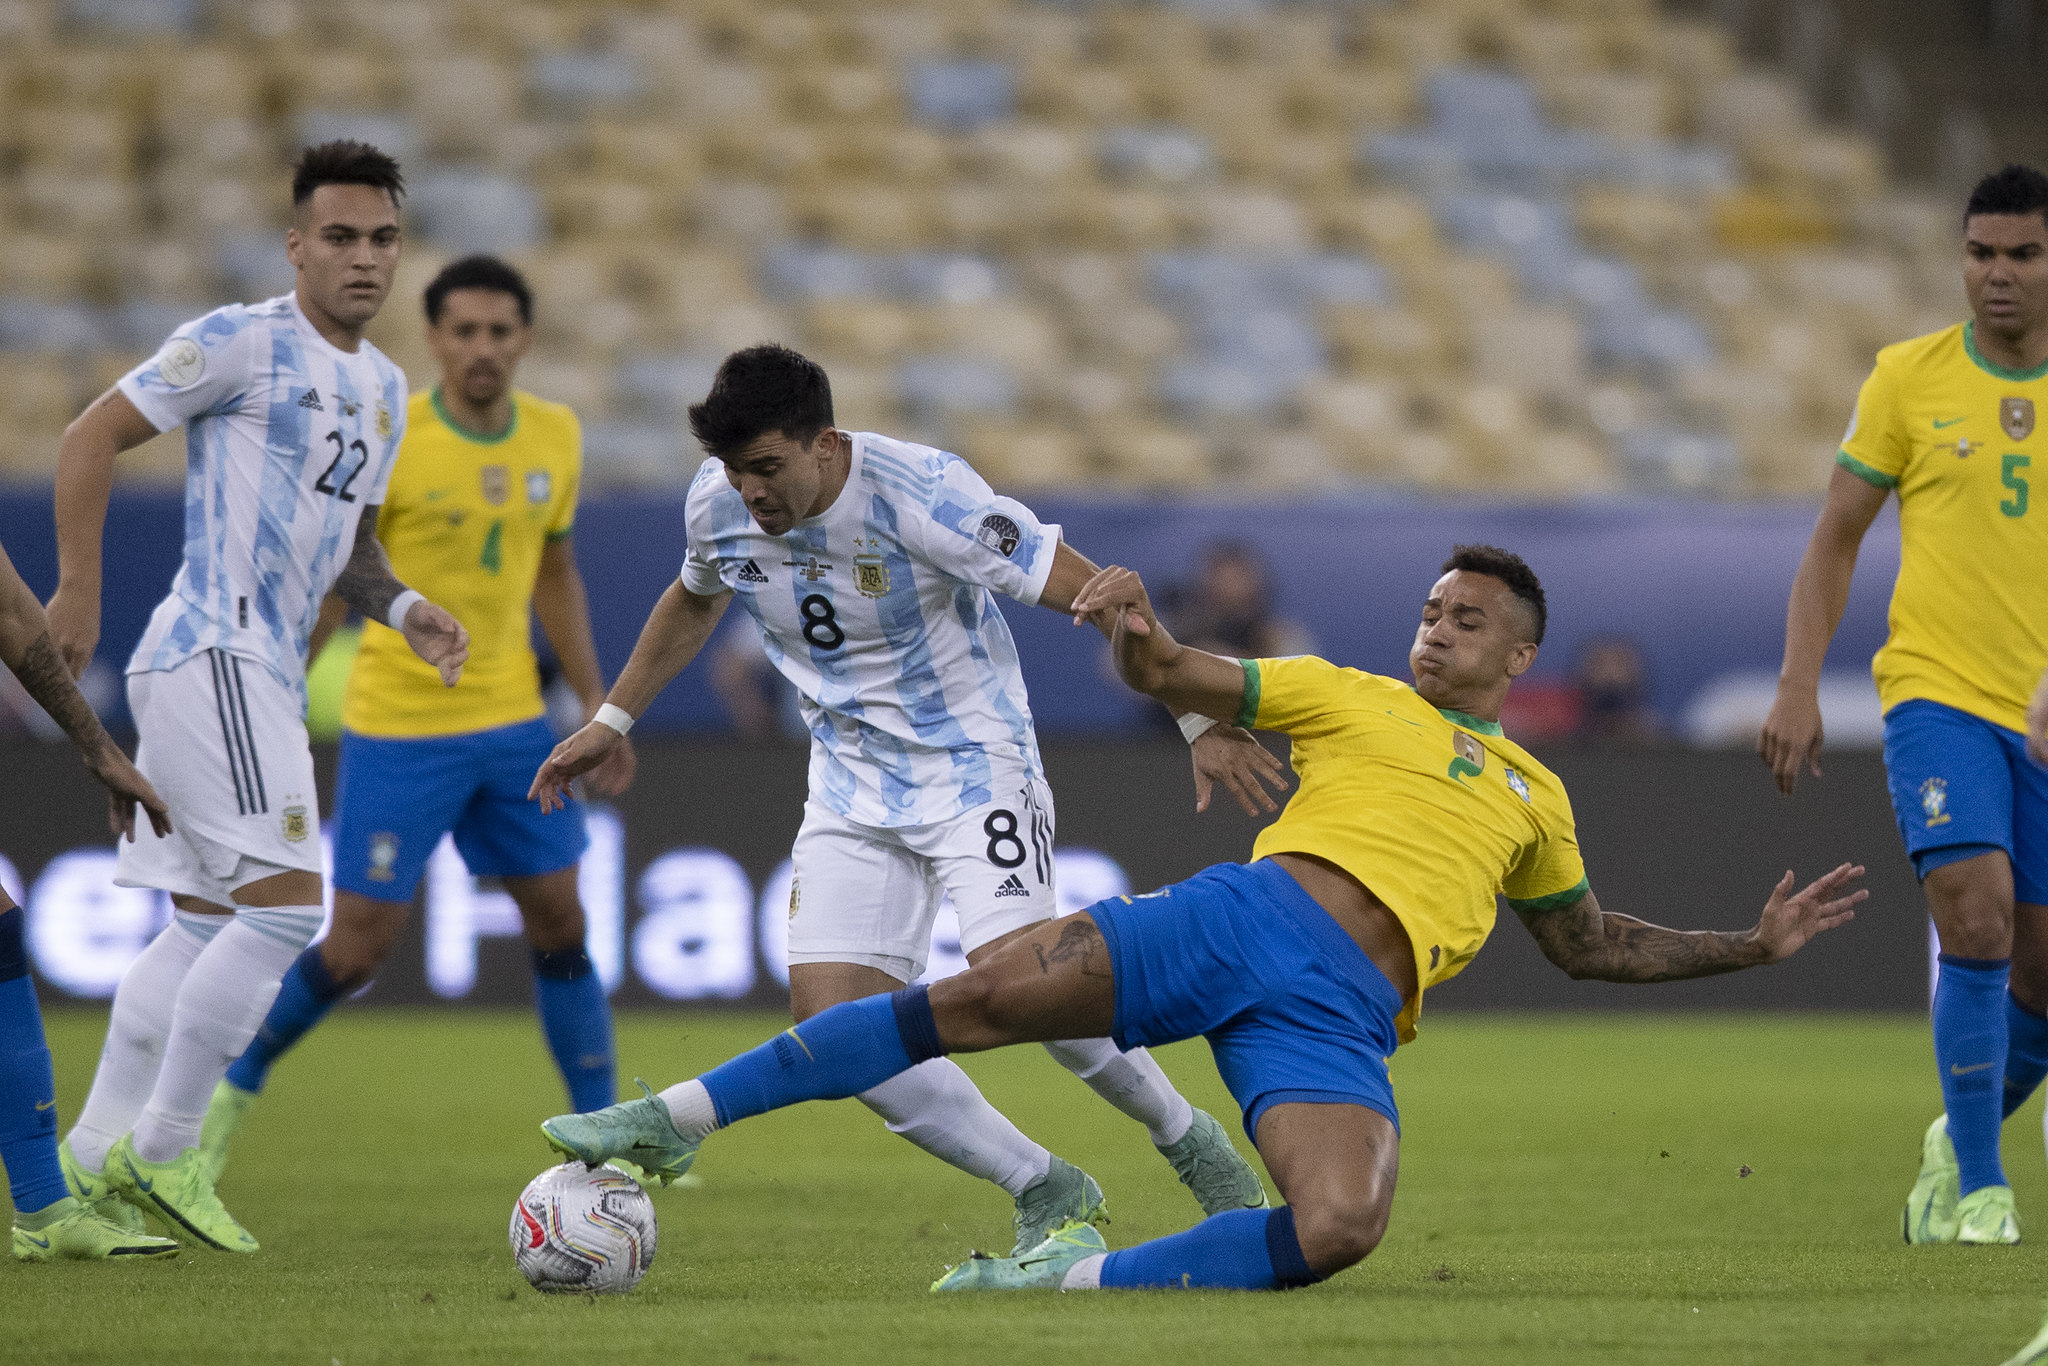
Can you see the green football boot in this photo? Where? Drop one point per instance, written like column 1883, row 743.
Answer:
column 1041, row 1268
column 2035, row 1353
column 1986, row 1217
column 1930, row 1215
column 180, row 1192
column 640, row 1131
column 223, row 1116
column 1210, row 1166
column 687, row 1181
column 1065, row 1194
column 92, row 1189
column 72, row 1231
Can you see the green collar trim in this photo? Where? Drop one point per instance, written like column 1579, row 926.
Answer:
column 1997, row 371
column 1248, row 710
column 441, row 411
column 1471, row 723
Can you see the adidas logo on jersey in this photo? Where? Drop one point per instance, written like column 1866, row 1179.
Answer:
column 1013, row 886
column 751, row 573
column 311, row 399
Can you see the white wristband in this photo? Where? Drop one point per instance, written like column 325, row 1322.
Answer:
column 618, row 718
column 400, row 605
column 1194, row 725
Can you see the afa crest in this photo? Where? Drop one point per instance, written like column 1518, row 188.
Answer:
column 383, row 423
column 296, row 826
column 383, row 853
column 870, row 570
column 796, row 897
column 1934, row 801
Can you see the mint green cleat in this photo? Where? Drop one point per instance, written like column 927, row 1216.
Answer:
column 640, row 1131
column 1930, row 1215
column 180, row 1192
column 1210, row 1166
column 71, row 1231
column 92, row 1189
column 1065, row 1194
column 1986, row 1217
column 1041, row 1268
column 2035, row 1353
column 223, row 1116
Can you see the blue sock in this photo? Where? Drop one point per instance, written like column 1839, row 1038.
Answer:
column 305, row 996
column 28, row 1088
column 1240, row 1249
column 2026, row 1052
column 1970, row 1049
column 577, row 1020
column 836, row 1053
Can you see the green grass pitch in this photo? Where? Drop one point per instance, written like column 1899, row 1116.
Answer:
column 1571, row 1192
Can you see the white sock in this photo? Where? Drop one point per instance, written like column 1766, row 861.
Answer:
column 1085, row 1274
column 938, row 1107
column 136, row 1031
column 690, row 1109
column 222, row 1002
column 1132, row 1082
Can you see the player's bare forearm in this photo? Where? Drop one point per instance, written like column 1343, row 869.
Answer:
column 1605, row 946
column 367, row 582
column 1820, row 588
column 563, row 607
column 1147, row 656
column 1071, row 572
column 85, row 481
column 676, row 631
column 27, row 649
column 333, row 612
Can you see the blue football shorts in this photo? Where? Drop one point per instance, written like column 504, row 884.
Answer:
column 1239, row 954
column 1962, row 786
column 395, row 798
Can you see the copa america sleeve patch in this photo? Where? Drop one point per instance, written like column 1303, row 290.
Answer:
column 182, row 364
column 999, row 534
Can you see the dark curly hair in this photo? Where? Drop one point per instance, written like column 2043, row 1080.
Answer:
column 765, row 388
column 1512, row 570
column 345, row 162
column 2011, row 189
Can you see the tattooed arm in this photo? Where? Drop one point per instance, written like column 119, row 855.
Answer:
column 26, row 649
column 367, row 584
column 1589, row 943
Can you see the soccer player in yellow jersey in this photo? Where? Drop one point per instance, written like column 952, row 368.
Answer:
column 479, row 513
column 1303, row 969
column 1949, row 422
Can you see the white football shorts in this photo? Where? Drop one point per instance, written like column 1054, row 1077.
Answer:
column 868, row 894
column 224, row 743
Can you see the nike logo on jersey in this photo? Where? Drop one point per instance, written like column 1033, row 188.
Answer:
column 311, row 399
column 1956, row 1069
column 1013, row 886
column 751, row 573
column 1939, row 424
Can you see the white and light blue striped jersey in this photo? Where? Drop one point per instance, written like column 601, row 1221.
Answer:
column 881, row 611
column 287, row 441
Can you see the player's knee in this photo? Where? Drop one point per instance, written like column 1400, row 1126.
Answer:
column 1340, row 1230
column 1973, row 908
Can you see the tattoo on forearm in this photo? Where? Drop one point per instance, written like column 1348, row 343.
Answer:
column 366, row 582
column 1080, row 942
column 1606, row 947
column 44, row 677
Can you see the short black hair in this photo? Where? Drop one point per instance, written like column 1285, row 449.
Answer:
column 765, row 388
column 478, row 272
column 345, row 161
column 2011, row 189
column 1511, row 569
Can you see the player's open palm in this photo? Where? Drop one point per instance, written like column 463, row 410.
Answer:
column 1790, row 920
column 1791, row 737
column 127, row 789
column 574, row 757
column 437, row 637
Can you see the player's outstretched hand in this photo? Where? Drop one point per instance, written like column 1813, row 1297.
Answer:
column 614, row 773
column 1114, row 594
column 2037, row 723
column 1789, row 921
column 126, row 789
column 1791, row 737
column 74, row 627
column 1232, row 756
column 437, row 637
column 573, row 758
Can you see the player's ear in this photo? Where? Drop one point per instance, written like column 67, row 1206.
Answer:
column 294, row 246
column 1520, row 657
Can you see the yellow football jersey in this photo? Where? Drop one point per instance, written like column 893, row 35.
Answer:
column 464, row 523
column 1956, row 436
column 1436, row 812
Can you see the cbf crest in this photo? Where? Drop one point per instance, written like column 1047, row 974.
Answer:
column 497, row 484
column 1934, row 801
column 2016, row 415
column 870, row 570
column 383, row 855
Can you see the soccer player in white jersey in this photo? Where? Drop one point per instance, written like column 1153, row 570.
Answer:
column 871, row 566
column 292, row 422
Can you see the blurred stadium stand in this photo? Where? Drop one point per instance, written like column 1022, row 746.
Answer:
column 1552, row 249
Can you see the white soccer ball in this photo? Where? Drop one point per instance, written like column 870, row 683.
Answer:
column 583, row 1230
